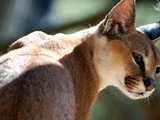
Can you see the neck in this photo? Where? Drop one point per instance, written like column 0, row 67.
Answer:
column 80, row 65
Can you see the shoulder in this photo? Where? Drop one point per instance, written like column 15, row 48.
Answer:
column 30, row 58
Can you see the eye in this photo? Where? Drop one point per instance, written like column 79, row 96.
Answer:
column 157, row 73
column 139, row 60
column 158, row 70
column 137, row 57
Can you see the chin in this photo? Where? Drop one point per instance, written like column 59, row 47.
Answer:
column 135, row 95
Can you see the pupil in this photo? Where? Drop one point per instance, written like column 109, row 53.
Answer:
column 139, row 60
column 158, row 70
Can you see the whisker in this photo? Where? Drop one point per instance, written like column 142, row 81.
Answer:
column 146, row 102
column 149, row 103
column 152, row 99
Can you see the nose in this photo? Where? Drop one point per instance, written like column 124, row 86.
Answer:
column 149, row 84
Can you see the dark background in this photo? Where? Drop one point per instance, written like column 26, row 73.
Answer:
column 20, row 17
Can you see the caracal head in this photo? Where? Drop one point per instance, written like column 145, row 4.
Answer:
column 123, row 56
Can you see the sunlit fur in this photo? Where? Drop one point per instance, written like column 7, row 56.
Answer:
column 45, row 77
column 114, row 58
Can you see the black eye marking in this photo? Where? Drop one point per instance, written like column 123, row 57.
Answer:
column 157, row 70
column 139, row 60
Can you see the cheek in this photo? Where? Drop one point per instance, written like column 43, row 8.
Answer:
column 135, row 84
column 130, row 82
column 157, row 77
column 129, row 65
column 131, row 68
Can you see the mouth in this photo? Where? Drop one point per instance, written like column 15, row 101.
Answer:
column 141, row 95
column 136, row 94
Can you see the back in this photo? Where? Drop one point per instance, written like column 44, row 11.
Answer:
column 26, row 95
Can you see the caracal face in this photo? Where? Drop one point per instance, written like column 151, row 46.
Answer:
column 123, row 56
column 131, row 64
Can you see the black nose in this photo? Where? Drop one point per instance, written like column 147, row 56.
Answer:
column 150, row 84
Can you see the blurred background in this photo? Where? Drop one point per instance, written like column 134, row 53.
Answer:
column 20, row 17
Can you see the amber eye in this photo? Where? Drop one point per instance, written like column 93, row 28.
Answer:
column 137, row 57
column 139, row 60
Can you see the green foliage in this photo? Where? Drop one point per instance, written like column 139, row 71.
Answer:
column 113, row 105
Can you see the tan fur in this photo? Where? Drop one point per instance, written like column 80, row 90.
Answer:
column 45, row 77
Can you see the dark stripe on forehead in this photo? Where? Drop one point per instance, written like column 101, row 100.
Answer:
column 146, row 51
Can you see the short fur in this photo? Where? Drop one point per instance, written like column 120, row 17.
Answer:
column 45, row 77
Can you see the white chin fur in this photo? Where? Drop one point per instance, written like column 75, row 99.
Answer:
column 134, row 95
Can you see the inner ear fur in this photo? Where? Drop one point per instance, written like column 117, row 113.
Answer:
column 120, row 20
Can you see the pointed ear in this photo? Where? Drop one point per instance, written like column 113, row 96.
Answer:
column 120, row 20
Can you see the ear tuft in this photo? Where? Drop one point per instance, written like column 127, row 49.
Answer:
column 120, row 20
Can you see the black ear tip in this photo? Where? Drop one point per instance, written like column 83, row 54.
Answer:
column 151, row 30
